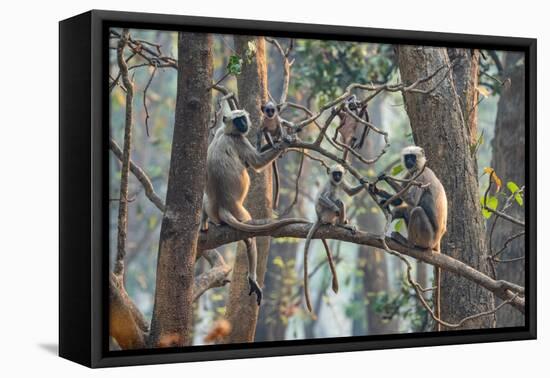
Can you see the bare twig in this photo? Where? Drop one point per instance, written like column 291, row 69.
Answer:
column 141, row 176
column 118, row 269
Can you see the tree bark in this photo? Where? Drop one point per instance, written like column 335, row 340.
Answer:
column 438, row 125
column 242, row 310
column 171, row 324
column 508, row 155
column 465, row 76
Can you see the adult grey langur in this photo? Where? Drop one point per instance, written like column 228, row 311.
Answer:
column 423, row 208
column 330, row 210
column 227, row 183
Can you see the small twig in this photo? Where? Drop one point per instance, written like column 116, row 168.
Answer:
column 145, row 99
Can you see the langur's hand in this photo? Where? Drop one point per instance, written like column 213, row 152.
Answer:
column 254, row 288
column 382, row 177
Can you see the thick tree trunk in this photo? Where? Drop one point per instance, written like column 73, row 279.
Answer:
column 465, row 76
column 508, row 155
column 172, row 314
column 438, row 125
column 242, row 310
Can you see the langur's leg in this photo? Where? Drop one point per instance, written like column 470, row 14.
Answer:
column 252, row 255
column 342, row 218
column 420, row 230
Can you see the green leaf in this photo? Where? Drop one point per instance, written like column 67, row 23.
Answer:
column 512, row 187
column 235, row 64
column 397, row 170
column 519, row 199
column 492, row 203
column 398, row 225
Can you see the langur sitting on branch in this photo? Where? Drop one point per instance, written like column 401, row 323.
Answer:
column 229, row 155
column 330, row 211
column 422, row 206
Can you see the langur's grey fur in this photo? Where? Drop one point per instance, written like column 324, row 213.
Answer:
column 424, row 208
column 330, row 210
column 272, row 129
column 229, row 155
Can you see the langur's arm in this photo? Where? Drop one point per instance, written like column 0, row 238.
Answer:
column 254, row 159
column 386, row 196
column 328, row 203
column 408, row 196
column 259, row 140
column 351, row 191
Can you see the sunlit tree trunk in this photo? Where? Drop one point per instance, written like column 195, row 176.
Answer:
column 242, row 310
column 438, row 125
column 508, row 155
column 172, row 314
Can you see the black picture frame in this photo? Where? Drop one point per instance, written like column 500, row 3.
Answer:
column 83, row 151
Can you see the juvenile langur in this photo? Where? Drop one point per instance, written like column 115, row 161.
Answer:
column 330, row 210
column 349, row 127
column 272, row 129
column 423, row 208
column 229, row 155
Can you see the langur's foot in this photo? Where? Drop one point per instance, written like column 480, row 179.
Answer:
column 400, row 239
column 350, row 228
column 254, row 288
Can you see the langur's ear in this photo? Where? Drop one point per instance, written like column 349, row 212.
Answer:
column 279, row 106
column 225, row 119
column 263, row 108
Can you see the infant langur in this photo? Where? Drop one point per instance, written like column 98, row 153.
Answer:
column 330, row 210
column 229, row 155
column 274, row 129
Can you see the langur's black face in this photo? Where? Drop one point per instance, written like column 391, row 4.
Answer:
column 410, row 161
column 241, row 124
column 269, row 110
column 337, row 176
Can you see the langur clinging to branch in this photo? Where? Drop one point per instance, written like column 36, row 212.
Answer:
column 330, row 210
column 273, row 129
column 422, row 206
column 352, row 132
column 229, row 155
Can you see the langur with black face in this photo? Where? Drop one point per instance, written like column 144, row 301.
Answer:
column 330, row 210
column 273, row 129
column 229, row 155
column 424, row 208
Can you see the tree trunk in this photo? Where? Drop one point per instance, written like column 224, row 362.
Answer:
column 438, row 125
column 375, row 278
column 465, row 76
column 171, row 324
column 508, row 154
column 242, row 310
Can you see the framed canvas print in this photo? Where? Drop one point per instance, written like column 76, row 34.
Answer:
column 234, row 188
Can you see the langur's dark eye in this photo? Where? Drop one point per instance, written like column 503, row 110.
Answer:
column 241, row 124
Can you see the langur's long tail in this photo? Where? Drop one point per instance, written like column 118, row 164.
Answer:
column 276, row 185
column 335, row 285
column 310, row 234
column 437, row 299
column 228, row 218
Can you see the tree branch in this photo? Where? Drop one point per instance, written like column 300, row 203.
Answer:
column 220, row 235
